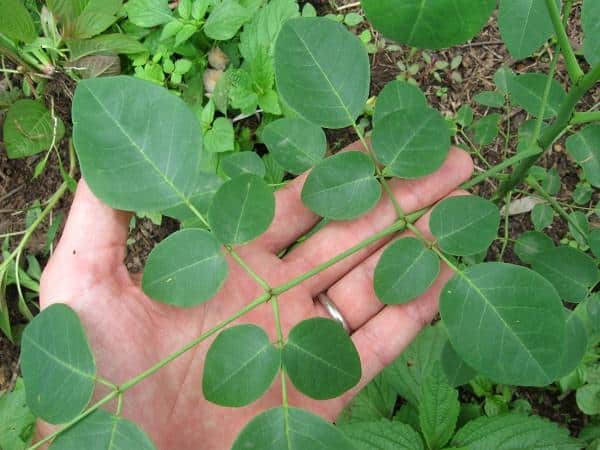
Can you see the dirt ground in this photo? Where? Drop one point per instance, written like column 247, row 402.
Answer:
column 481, row 58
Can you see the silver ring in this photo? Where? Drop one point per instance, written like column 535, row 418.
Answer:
column 333, row 311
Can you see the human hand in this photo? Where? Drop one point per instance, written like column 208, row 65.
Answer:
column 129, row 332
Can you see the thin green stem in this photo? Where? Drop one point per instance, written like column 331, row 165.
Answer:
column 585, row 117
column 544, row 103
column 506, row 227
column 575, row 72
column 119, row 404
column 261, row 281
column 474, row 148
column 277, row 319
column 107, row 383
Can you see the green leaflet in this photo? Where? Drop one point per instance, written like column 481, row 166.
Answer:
column 590, row 21
column 241, row 210
column 317, row 370
column 584, row 147
column 575, row 343
column 425, row 24
column 542, row 216
column 220, row 138
column 243, row 163
column 329, row 64
column 15, row 21
column 588, row 397
column 527, row 91
column 489, row 311
column 485, row 130
column 493, row 99
column 383, row 435
column 405, row 270
column 531, row 244
column 186, row 269
column 17, row 423
column 398, row 96
column 29, row 128
column 240, row 366
column 342, row 186
column 148, row 13
column 138, row 145
column 290, row 429
column 57, row 364
column 225, row 20
column 464, row 225
column 572, row 272
column 107, row 43
column 102, row 430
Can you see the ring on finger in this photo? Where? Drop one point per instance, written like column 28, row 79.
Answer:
column 333, row 311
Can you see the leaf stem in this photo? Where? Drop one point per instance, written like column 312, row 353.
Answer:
column 585, row 117
column 575, row 72
column 261, row 281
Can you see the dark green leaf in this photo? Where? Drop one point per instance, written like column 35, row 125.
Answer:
column 439, row 24
column 242, row 209
column 489, row 311
column 572, row 272
column 375, row 401
column 542, row 216
column 590, row 21
column 485, row 130
column 584, row 147
column 531, row 244
column 296, row 145
column 582, row 194
column 492, row 99
column 457, row 371
column 57, row 364
column 464, row 225
column 575, row 343
column 527, row 91
column 464, row 116
column 225, row 20
column 383, row 435
column 17, row 423
column 243, row 163
column 111, row 44
column 342, row 186
column 579, row 227
column 15, row 21
column 317, row 370
column 186, row 269
column 405, row 270
column 322, row 71
column 398, row 96
column 148, row 13
column 240, row 366
column 594, row 242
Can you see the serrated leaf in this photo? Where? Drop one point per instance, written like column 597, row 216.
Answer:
column 57, row 364
column 405, row 270
column 186, row 269
column 590, row 21
column 374, row 402
column 148, row 13
column 317, row 370
column 434, row 25
column 584, row 148
column 322, row 71
column 527, row 91
column 16, row 22
column 383, row 435
column 296, row 145
column 240, row 366
column 493, row 333
column 225, row 20
column 464, row 225
column 531, row 244
column 243, row 163
column 572, row 272
column 342, row 186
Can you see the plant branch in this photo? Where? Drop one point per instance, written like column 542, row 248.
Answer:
column 575, row 72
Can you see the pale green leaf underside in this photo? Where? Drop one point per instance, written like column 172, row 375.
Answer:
column 584, row 147
column 590, row 21
column 528, row 92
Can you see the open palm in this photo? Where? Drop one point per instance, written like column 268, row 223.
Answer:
column 129, row 332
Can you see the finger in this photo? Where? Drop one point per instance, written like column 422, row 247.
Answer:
column 339, row 236
column 354, row 295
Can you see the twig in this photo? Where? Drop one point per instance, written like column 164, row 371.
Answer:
column 348, row 6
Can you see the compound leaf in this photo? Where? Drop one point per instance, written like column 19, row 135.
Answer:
column 531, row 244
column 57, row 364
column 584, row 147
column 186, row 269
column 437, row 24
column 590, row 21
column 16, row 22
column 405, row 270
column 573, row 273
column 464, row 225
column 291, row 429
column 383, row 435
column 322, row 71
column 296, row 145
column 317, row 370
column 102, row 430
column 342, row 186
column 528, row 90
column 505, row 321
column 139, row 146
column 240, row 366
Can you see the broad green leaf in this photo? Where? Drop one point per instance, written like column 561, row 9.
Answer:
column 242, row 209
column 106, row 44
column 524, row 26
column 527, row 91
column 429, row 24
column 582, row 194
column 407, row 372
column 501, row 78
column 411, row 143
column 90, row 24
column 493, row 99
column 525, row 134
column 590, row 21
column 102, row 430
column 317, row 370
column 594, row 242
column 296, row 145
column 464, row 225
column 576, row 342
column 572, row 272
column 489, row 311
column 29, row 128
column 243, row 163
column 220, row 138
column 225, row 20
column 584, row 147
column 139, row 146
column 15, row 21
column 290, row 429
column 457, row 371
column 57, row 364
column 588, row 399
column 240, row 366
column 464, row 116
column 514, row 432
column 67, row 10
column 186, row 269
column 398, row 96
column 531, row 244
column 17, row 423
column 383, row 435
column 322, row 71
column 579, row 227
column 405, row 270
column 148, row 13
column 374, row 402
column 438, row 408
column 485, row 130
column 342, row 186
column 542, row 216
